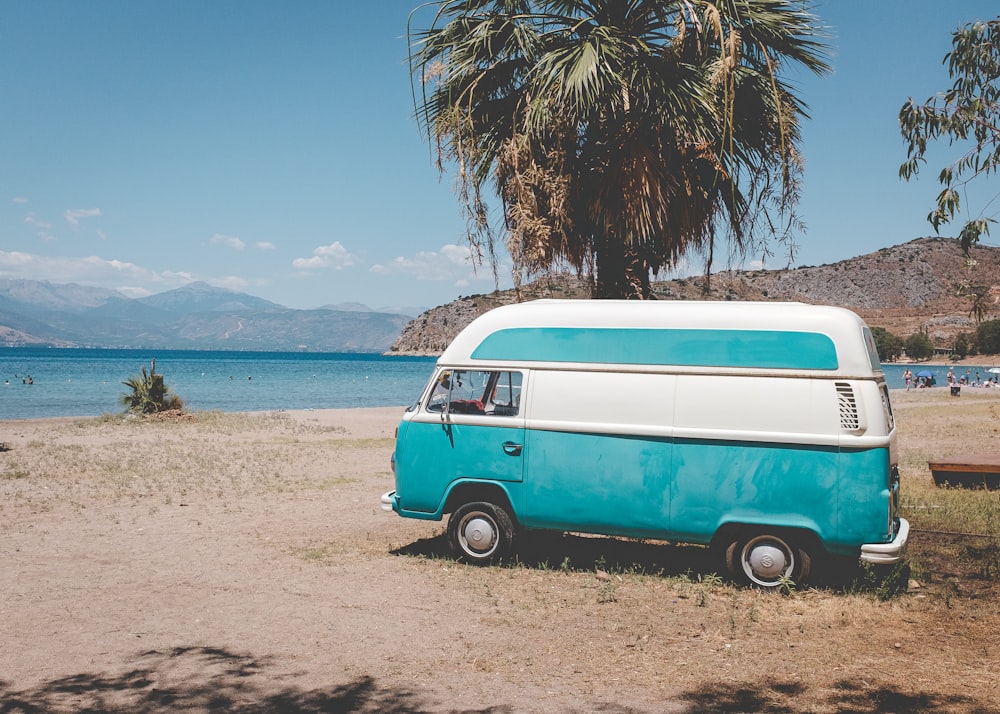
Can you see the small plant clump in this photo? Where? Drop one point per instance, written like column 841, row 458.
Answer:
column 149, row 394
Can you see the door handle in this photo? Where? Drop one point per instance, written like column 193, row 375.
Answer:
column 512, row 449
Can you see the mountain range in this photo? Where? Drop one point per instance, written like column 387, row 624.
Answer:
column 196, row 316
column 906, row 288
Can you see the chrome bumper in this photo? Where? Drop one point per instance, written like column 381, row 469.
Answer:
column 887, row 553
column 388, row 501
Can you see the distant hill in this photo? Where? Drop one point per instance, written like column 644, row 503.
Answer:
column 196, row 316
column 391, row 309
column 905, row 289
column 202, row 297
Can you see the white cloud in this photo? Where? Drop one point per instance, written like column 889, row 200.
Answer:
column 13, row 261
column 57, row 269
column 19, row 199
column 127, row 278
column 90, row 270
column 334, row 256
column 452, row 263
column 43, row 228
column 31, row 220
column 228, row 241
column 73, row 215
column 264, row 245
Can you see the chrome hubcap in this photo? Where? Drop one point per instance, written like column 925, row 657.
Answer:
column 479, row 534
column 767, row 561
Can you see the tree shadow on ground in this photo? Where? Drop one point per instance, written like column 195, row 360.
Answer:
column 205, row 679
column 846, row 696
column 584, row 553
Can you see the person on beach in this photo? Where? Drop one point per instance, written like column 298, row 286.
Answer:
column 907, row 377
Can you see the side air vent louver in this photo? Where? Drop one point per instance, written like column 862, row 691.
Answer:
column 848, row 405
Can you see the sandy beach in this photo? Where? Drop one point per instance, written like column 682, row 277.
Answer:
column 241, row 562
column 978, row 361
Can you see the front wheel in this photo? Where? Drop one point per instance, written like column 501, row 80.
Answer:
column 767, row 559
column 481, row 533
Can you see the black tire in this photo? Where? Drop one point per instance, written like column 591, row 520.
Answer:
column 767, row 558
column 481, row 533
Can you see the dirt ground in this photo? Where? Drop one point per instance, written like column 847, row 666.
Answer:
column 242, row 563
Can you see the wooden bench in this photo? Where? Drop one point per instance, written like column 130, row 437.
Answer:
column 967, row 471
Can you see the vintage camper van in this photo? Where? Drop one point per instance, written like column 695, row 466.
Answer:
column 762, row 429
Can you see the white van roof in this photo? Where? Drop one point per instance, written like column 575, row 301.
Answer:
column 626, row 334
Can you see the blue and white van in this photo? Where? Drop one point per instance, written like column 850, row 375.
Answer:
column 762, row 429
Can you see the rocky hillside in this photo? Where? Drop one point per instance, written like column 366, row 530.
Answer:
column 905, row 289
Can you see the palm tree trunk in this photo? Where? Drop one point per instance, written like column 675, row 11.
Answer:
column 621, row 274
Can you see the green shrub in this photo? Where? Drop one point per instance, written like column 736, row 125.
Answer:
column 149, row 394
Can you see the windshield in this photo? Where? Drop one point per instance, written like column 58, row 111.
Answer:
column 872, row 349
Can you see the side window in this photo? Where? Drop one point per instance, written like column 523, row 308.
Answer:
column 493, row 393
column 506, row 396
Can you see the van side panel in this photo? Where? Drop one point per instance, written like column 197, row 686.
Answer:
column 774, row 409
column 598, row 452
column 600, row 483
column 864, row 488
column 602, row 402
column 679, row 456
column 719, row 482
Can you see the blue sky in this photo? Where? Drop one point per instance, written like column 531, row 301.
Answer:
column 271, row 148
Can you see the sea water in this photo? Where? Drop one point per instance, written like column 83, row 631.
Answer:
column 895, row 379
column 53, row 382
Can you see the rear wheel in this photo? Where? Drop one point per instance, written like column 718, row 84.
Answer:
column 767, row 559
column 481, row 533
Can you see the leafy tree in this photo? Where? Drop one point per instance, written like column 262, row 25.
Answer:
column 988, row 337
column 963, row 345
column 919, row 346
column 889, row 346
column 618, row 134
column 148, row 393
column 967, row 114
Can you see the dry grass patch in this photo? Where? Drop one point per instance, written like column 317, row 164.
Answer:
column 225, row 455
column 956, row 532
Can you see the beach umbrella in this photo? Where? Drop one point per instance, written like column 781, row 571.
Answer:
column 925, row 373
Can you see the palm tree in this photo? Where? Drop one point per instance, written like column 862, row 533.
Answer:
column 148, row 393
column 618, row 134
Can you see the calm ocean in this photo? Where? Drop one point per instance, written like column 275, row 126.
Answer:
column 84, row 382
column 894, row 373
